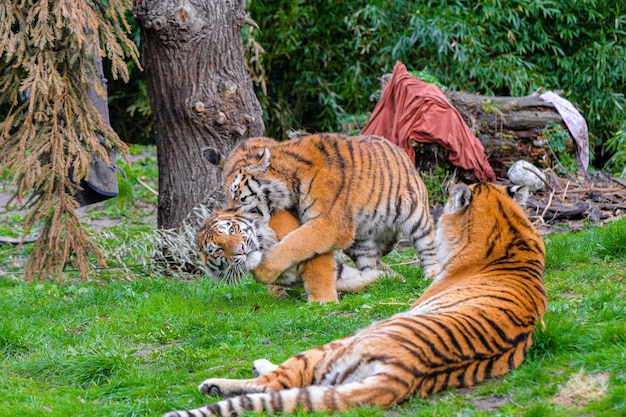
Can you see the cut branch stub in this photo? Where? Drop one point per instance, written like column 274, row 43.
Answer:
column 170, row 23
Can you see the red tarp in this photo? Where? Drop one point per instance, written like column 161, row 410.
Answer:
column 413, row 110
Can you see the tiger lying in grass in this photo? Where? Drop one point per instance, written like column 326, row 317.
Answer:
column 356, row 194
column 232, row 242
column 475, row 322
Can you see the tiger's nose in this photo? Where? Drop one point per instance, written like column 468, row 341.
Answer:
column 235, row 250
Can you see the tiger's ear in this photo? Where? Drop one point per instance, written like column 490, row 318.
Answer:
column 261, row 163
column 213, row 156
column 520, row 194
column 460, row 198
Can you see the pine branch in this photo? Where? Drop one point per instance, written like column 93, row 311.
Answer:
column 52, row 131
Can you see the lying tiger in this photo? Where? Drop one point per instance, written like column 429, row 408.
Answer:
column 475, row 322
column 232, row 242
column 356, row 194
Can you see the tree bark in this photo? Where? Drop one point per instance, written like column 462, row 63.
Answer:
column 200, row 93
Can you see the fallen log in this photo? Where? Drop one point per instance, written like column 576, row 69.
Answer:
column 509, row 128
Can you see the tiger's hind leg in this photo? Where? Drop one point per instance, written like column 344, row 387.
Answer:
column 419, row 230
column 366, row 255
column 318, row 275
column 385, row 243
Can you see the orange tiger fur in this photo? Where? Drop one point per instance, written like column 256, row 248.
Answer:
column 476, row 321
column 233, row 241
column 356, row 194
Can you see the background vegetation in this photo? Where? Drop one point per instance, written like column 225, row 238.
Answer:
column 132, row 341
column 316, row 63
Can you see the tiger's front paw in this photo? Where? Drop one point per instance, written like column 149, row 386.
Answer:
column 270, row 268
column 230, row 387
column 213, row 386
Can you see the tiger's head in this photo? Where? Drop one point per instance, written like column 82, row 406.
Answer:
column 231, row 243
column 248, row 176
column 483, row 222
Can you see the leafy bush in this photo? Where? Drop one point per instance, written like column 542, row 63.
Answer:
column 557, row 141
column 322, row 60
column 481, row 46
column 318, row 60
column 617, row 145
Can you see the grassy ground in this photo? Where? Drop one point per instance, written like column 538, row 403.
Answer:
column 132, row 341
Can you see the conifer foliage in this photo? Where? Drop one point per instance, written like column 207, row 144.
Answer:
column 52, row 131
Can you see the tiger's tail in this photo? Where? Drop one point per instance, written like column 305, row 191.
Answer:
column 350, row 279
column 376, row 390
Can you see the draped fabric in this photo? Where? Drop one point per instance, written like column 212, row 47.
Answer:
column 411, row 110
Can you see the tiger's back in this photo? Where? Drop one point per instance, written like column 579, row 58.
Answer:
column 475, row 322
column 364, row 174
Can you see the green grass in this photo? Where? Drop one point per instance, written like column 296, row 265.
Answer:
column 132, row 341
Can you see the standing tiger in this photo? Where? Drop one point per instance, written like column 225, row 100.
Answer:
column 475, row 322
column 356, row 194
column 232, row 242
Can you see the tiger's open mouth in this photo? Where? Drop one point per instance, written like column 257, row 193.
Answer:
column 235, row 271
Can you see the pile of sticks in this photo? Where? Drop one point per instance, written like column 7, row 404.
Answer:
column 570, row 203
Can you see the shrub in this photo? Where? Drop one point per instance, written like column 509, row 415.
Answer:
column 617, row 145
column 322, row 60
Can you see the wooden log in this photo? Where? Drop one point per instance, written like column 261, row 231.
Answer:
column 509, row 128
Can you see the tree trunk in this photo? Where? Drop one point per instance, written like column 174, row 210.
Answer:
column 200, row 93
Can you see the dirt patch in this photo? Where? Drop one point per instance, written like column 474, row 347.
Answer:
column 489, row 403
column 147, row 350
